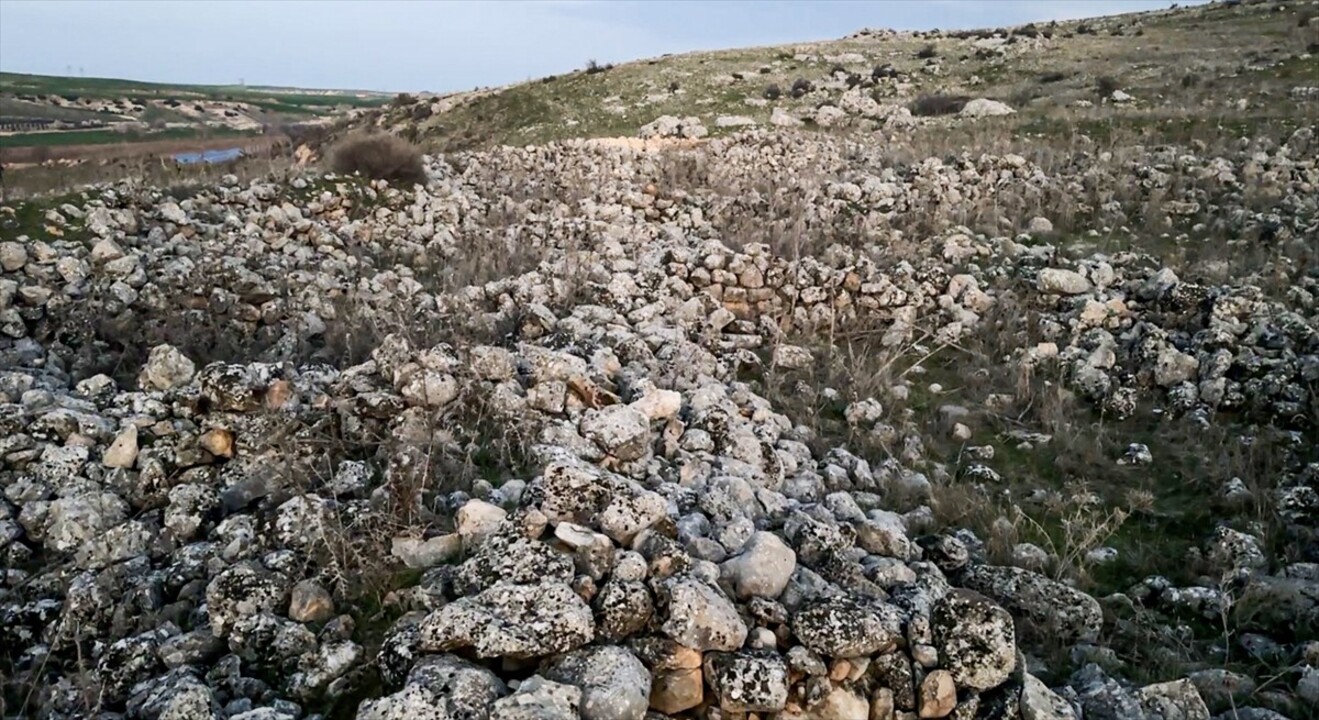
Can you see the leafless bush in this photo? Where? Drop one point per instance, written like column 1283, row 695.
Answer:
column 932, row 104
column 1106, row 85
column 380, row 157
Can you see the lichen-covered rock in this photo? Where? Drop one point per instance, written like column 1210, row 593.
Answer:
column 623, row 608
column 1045, row 607
column 747, row 681
column 1175, row 700
column 975, row 640
column 574, row 492
column 1038, row 702
column 75, row 520
column 439, row 687
column 167, row 368
column 515, row 621
column 127, row 662
column 1059, row 281
column 243, row 590
column 698, row 615
column 1103, row 698
column 506, row 557
column 614, row 683
column 539, row 699
column 626, row 515
column 620, row 430
column 847, row 627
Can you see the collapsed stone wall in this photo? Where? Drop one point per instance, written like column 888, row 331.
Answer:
column 185, row 547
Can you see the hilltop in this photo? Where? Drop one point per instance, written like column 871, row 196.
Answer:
column 880, row 402
column 1235, row 67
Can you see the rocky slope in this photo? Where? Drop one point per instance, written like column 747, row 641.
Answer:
column 780, row 424
column 1243, row 65
column 561, row 493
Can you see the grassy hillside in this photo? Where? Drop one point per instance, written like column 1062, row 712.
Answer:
column 1228, row 64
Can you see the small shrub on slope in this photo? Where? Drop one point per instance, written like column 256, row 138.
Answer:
column 380, row 157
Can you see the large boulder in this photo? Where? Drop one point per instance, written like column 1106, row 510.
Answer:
column 984, row 107
column 668, row 126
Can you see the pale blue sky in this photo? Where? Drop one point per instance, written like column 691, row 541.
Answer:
column 440, row 46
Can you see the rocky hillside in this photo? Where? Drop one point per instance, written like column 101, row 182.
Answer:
column 1174, row 73
column 781, row 424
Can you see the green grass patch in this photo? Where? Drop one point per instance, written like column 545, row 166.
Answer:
column 28, row 218
column 110, row 137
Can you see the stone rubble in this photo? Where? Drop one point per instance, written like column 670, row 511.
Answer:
column 185, row 536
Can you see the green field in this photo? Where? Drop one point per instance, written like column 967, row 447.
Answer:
column 10, row 107
column 290, row 100
column 106, row 137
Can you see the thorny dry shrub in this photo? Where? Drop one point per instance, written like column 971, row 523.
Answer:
column 1050, row 443
column 1106, row 195
column 1057, row 481
column 380, row 157
column 932, row 104
column 421, row 456
column 1106, row 85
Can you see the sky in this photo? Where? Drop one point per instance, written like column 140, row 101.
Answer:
column 435, row 46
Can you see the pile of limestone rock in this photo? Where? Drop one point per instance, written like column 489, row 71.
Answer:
column 184, row 535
